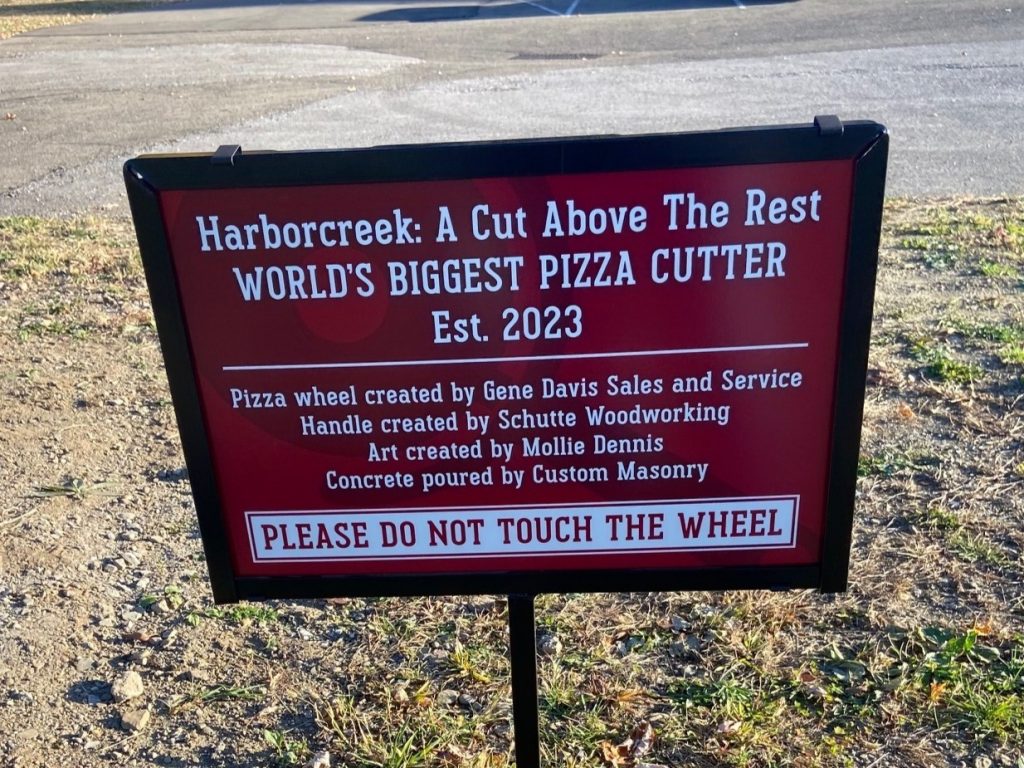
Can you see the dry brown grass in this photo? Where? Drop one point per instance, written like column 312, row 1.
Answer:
column 920, row 663
column 19, row 16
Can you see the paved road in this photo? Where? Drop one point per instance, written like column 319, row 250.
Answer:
column 945, row 76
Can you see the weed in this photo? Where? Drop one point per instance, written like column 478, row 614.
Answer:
column 998, row 269
column 55, row 319
column 217, row 693
column 1013, row 355
column 75, row 488
column 287, row 751
column 399, row 739
column 937, row 518
column 939, row 364
column 915, row 243
column 888, row 463
column 471, row 662
column 974, row 547
column 1004, row 333
column 238, row 613
column 171, row 595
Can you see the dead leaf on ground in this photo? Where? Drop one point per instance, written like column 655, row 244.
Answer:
column 905, row 413
column 626, row 754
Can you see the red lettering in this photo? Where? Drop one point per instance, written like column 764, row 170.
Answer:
column 269, row 535
column 691, row 525
column 757, row 521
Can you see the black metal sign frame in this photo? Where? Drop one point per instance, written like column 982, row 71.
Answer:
column 866, row 143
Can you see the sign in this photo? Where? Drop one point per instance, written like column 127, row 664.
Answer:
column 559, row 365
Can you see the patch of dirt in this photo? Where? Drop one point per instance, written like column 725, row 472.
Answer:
column 920, row 663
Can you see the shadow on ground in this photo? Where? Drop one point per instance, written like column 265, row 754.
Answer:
column 400, row 10
column 421, row 13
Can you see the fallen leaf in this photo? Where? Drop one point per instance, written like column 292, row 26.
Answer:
column 611, row 754
column 905, row 413
column 640, row 740
column 982, row 629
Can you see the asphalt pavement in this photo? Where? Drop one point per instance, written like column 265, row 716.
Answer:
column 945, row 77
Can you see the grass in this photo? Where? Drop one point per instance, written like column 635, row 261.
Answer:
column 287, row 751
column 34, row 248
column 1004, row 333
column 397, row 737
column 920, row 663
column 976, row 548
column 941, row 365
column 1012, row 355
column 212, row 694
column 889, row 463
column 74, row 488
column 92, row 271
column 959, row 234
column 241, row 614
column 20, row 16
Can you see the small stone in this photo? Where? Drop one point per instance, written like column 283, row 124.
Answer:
column 225, row 643
column 205, row 730
column 127, row 686
column 447, row 697
column 131, row 616
column 549, row 645
column 194, row 675
column 320, row 760
column 982, row 761
column 85, row 664
column 135, row 719
column 679, row 624
column 169, row 638
column 161, row 607
column 468, row 701
column 142, row 657
column 401, row 695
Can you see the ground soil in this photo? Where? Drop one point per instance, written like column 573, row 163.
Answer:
column 102, row 573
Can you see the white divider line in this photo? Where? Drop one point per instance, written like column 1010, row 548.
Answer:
column 520, row 359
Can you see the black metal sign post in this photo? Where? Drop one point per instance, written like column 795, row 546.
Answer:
column 523, row 660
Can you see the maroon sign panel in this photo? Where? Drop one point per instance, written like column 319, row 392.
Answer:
column 413, row 377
